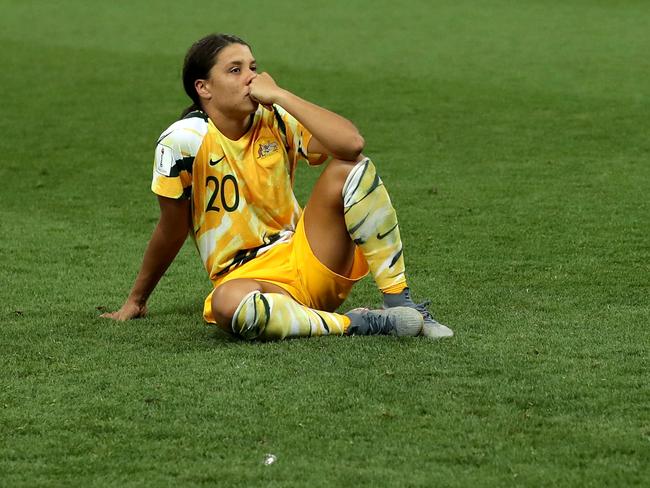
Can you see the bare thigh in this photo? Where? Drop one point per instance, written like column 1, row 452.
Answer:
column 324, row 219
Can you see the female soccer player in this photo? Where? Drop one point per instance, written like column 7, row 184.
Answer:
column 224, row 174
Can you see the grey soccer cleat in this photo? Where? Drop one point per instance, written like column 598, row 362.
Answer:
column 398, row 321
column 431, row 328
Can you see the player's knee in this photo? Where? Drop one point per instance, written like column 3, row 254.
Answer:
column 341, row 169
column 227, row 298
column 222, row 310
column 337, row 174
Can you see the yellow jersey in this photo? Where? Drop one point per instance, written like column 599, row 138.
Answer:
column 241, row 192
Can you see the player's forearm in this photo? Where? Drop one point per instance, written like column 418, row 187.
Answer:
column 339, row 136
column 159, row 254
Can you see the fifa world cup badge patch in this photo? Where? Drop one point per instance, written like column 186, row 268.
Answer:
column 164, row 160
column 266, row 148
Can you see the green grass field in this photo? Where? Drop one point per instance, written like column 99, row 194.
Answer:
column 513, row 137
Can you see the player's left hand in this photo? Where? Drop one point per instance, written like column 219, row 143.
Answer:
column 264, row 89
column 130, row 310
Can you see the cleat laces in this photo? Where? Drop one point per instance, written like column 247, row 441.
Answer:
column 378, row 324
column 422, row 308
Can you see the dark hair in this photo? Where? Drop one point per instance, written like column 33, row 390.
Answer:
column 199, row 60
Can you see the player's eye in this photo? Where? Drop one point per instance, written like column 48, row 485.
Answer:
column 234, row 69
column 254, row 68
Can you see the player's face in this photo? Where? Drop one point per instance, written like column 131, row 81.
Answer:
column 229, row 81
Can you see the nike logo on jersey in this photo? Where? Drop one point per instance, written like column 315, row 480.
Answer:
column 381, row 236
column 214, row 163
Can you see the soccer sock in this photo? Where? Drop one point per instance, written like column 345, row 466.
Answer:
column 372, row 223
column 272, row 316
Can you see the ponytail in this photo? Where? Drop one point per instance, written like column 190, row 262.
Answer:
column 189, row 110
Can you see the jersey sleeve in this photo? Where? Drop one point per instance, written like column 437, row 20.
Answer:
column 296, row 137
column 173, row 160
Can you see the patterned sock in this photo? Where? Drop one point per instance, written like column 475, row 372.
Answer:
column 272, row 316
column 372, row 223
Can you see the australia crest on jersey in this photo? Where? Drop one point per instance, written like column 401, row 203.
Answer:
column 266, row 148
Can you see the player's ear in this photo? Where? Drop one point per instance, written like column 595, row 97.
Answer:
column 202, row 88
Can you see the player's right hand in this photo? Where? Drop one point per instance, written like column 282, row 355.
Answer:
column 128, row 311
column 264, row 89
